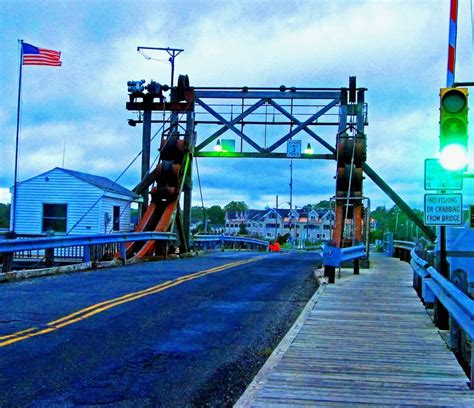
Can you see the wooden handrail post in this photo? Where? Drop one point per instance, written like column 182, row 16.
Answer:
column 356, row 266
column 330, row 273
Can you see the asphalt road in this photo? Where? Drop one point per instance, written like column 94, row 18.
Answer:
column 186, row 332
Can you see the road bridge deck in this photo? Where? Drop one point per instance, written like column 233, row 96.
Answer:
column 367, row 340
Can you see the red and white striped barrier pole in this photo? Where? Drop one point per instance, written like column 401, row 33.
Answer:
column 453, row 30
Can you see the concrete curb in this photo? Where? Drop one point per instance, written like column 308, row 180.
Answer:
column 260, row 379
column 36, row 273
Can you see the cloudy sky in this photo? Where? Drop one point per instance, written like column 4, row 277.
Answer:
column 76, row 114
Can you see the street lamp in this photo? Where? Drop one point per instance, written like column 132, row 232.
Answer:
column 309, row 149
column 218, row 146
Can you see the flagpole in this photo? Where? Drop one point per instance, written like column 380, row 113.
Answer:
column 12, row 227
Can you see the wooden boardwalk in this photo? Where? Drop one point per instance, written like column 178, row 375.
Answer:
column 365, row 341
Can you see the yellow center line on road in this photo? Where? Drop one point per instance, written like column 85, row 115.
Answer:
column 18, row 333
column 109, row 304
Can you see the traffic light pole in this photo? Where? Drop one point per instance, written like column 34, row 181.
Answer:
column 451, row 69
column 441, row 315
column 443, row 265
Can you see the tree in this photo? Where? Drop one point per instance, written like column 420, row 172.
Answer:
column 197, row 213
column 243, row 229
column 236, row 206
column 216, row 215
column 323, row 205
column 394, row 220
column 4, row 215
column 281, row 239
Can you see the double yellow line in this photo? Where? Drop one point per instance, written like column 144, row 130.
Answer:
column 109, row 304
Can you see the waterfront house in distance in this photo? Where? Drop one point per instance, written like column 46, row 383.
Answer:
column 62, row 201
column 306, row 224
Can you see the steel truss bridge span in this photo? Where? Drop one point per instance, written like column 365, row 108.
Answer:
column 236, row 110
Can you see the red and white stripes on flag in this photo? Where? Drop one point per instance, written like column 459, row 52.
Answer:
column 40, row 56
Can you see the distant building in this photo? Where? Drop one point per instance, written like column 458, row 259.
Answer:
column 63, row 201
column 304, row 224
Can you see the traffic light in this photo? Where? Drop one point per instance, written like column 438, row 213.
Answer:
column 136, row 86
column 453, row 136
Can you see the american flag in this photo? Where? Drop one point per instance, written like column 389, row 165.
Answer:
column 40, row 56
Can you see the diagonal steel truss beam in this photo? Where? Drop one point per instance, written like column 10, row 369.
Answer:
column 398, row 201
column 303, row 125
column 230, row 125
column 305, row 128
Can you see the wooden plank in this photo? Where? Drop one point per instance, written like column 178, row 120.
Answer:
column 367, row 341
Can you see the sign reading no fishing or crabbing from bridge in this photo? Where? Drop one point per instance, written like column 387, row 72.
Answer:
column 443, row 209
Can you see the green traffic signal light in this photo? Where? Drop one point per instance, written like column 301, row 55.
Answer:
column 454, row 100
column 453, row 128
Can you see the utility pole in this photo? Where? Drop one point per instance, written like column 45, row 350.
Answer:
column 396, row 222
column 172, row 52
column 147, row 120
column 276, row 218
column 291, row 202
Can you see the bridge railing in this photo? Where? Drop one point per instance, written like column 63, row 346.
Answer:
column 397, row 248
column 208, row 242
column 87, row 246
column 334, row 257
column 402, row 249
column 433, row 287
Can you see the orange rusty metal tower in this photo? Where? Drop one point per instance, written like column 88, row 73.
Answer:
column 351, row 154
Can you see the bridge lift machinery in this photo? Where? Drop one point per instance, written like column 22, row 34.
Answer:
column 173, row 174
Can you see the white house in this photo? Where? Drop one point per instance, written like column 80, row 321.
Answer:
column 304, row 224
column 67, row 201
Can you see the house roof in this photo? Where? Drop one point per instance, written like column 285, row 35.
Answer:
column 101, row 182
column 257, row 215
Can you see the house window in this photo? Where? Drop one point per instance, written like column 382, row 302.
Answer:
column 116, row 219
column 54, row 217
column 268, row 225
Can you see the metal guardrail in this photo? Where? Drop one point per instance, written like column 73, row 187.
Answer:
column 408, row 245
column 395, row 247
column 219, row 241
column 333, row 257
column 9, row 246
column 402, row 250
column 434, row 287
column 81, row 246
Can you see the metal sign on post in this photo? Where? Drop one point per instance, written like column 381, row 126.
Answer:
column 438, row 178
column 443, row 209
column 293, row 148
column 228, row 145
